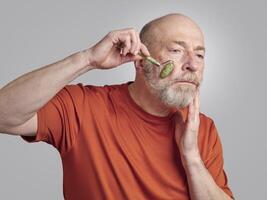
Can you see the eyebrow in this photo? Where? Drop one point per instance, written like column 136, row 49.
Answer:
column 183, row 44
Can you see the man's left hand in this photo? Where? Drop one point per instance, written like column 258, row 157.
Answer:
column 186, row 133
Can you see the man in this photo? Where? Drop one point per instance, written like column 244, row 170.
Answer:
column 142, row 140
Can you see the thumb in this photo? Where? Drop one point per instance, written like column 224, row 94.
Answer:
column 130, row 58
column 179, row 126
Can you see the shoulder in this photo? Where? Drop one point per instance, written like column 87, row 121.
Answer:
column 95, row 94
column 205, row 120
column 82, row 89
column 207, row 130
column 105, row 89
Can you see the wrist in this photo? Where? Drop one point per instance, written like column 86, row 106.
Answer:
column 80, row 59
column 191, row 159
column 192, row 165
column 86, row 58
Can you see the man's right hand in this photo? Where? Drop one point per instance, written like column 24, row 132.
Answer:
column 116, row 48
column 20, row 117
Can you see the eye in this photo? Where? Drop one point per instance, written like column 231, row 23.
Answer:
column 200, row 56
column 176, row 50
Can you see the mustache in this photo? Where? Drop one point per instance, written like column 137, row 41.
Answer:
column 189, row 77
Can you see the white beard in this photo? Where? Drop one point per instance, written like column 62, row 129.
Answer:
column 178, row 95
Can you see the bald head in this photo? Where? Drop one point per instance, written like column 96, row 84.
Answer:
column 161, row 29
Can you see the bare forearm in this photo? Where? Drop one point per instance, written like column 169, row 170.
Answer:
column 200, row 182
column 22, row 97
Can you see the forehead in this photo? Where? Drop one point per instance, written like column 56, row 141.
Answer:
column 184, row 38
column 186, row 32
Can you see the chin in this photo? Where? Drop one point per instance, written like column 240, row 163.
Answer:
column 178, row 98
column 181, row 103
column 173, row 96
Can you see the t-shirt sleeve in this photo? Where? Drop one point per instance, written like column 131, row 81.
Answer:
column 215, row 162
column 59, row 120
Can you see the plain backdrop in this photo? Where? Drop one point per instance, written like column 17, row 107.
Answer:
column 37, row 33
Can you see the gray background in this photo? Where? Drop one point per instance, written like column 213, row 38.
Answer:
column 36, row 33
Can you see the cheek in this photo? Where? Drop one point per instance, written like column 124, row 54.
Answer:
column 163, row 57
column 175, row 72
column 201, row 71
column 153, row 74
column 167, row 69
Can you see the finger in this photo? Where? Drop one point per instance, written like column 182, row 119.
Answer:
column 131, row 57
column 138, row 46
column 197, row 101
column 126, row 40
column 191, row 112
column 118, row 39
column 133, row 38
column 194, row 108
column 134, row 42
column 144, row 50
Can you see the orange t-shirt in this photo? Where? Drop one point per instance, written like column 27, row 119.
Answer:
column 112, row 149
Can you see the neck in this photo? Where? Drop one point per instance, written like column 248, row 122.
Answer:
column 143, row 97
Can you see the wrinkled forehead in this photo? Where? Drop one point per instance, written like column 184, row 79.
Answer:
column 175, row 30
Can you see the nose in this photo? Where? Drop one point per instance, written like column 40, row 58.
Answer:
column 189, row 63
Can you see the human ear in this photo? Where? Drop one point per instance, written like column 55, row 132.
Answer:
column 138, row 66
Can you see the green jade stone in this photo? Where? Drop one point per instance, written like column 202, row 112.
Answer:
column 152, row 60
column 167, row 70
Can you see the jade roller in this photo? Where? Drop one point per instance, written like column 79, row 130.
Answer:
column 167, row 69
